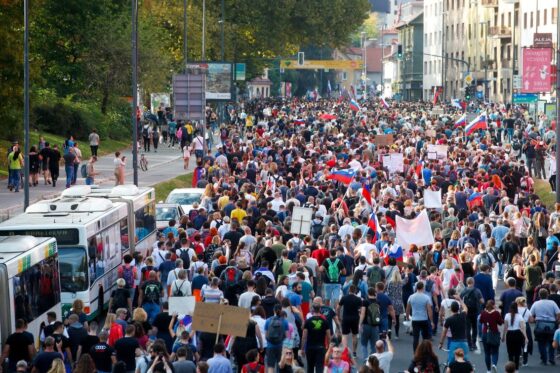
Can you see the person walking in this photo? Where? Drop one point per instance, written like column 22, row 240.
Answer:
column 419, row 311
column 473, row 299
column 514, row 334
column 546, row 315
column 69, row 161
column 491, row 319
column 93, row 139
column 54, row 164
column 91, row 173
column 15, row 163
column 315, row 333
column 349, row 310
column 456, row 324
column 78, row 154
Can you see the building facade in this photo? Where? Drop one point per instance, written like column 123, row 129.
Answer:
column 410, row 64
column 433, row 48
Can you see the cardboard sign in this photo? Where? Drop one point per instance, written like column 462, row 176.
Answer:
column 383, row 140
column 440, row 150
column 394, row 162
column 182, row 305
column 220, row 319
column 301, row 220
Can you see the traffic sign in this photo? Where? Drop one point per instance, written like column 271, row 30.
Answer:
column 525, row 98
column 480, row 95
column 517, row 81
column 468, row 79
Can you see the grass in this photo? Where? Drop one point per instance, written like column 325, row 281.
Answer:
column 164, row 188
column 107, row 146
column 542, row 189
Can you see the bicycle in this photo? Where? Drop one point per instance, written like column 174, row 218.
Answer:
column 143, row 163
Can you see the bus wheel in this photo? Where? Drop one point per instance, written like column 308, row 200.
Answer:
column 100, row 304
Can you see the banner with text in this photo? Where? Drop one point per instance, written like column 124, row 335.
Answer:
column 536, row 70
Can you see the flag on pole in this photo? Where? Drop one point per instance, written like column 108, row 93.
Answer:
column 366, row 193
column 389, row 251
column 354, row 105
column 474, row 200
column 344, row 176
column 478, row 123
column 436, row 95
column 456, row 103
column 461, row 121
column 384, row 103
column 373, row 224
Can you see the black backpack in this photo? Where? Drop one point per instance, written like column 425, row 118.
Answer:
column 471, row 300
column 184, row 256
column 120, row 299
column 278, row 268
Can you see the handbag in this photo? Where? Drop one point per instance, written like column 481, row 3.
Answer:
column 491, row 338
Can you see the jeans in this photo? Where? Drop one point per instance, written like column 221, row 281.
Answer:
column 453, row 345
column 370, row 335
column 491, row 354
column 152, row 309
column 332, row 293
column 472, row 329
column 510, row 134
column 75, row 174
column 14, row 177
column 69, row 174
column 418, row 327
column 545, row 349
column 531, row 166
column 89, row 180
column 315, row 359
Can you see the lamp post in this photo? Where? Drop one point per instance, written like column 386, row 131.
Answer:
column 364, row 70
column 185, row 45
column 486, row 90
column 134, row 40
column 443, row 52
column 222, row 32
column 557, row 108
column 25, row 103
column 383, row 59
column 203, row 30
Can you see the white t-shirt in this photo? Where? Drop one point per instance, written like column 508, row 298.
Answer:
column 385, row 359
column 516, row 322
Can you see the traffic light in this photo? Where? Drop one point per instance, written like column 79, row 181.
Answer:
column 468, row 92
column 399, row 51
column 301, row 58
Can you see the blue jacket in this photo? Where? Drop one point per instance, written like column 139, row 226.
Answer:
column 483, row 282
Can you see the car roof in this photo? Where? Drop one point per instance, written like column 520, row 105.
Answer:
column 187, row 190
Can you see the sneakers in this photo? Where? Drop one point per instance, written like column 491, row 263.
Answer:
column 494, row 369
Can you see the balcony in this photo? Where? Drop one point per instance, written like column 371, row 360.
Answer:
column 489, row 3
column 499, row 32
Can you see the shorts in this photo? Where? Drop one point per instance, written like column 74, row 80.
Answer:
column 332, row 292
column 350, row 326
column 273, row 356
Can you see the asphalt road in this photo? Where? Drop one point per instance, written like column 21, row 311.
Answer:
column 166, row 164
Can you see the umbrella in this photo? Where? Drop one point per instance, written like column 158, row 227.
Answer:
column 328, row 116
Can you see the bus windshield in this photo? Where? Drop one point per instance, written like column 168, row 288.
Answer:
column 73, row 269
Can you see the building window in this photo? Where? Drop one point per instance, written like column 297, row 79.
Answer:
column 470, row 35
column 502, row 19
column 463, row 30
column 544, row 17
column 538, row 18
column 509, row 19
column 531, row 20
column 554, row 16
column 525, row 20
column 425, row 67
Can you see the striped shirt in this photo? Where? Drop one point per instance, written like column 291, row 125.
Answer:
column 211, row 295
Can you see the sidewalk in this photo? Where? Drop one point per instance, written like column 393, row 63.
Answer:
column 166, row 164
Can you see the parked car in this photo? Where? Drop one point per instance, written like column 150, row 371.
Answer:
column 186, row 197
column 166, row 212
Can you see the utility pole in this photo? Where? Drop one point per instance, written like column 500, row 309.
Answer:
column 557, row 109
column 443, row 54
column 185, row 45
column 222, row 31
column 25, row 104
column 203, row 31
column 364, row 70
column 135, row 90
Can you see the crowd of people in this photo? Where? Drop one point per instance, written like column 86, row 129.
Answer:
column 336, row 297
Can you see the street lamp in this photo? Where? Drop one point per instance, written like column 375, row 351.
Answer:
column 486, row 90
column 134, row 40
column 364, row 71
column 26, row 104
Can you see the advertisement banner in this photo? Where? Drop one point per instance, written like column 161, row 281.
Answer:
column 218, row 81
column 240, row 71
column 536, row 70
column 542, row 40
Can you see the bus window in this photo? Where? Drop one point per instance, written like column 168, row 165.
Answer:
column 124, row 233
column 73, row 269
column 145, row 221
column 36, row 290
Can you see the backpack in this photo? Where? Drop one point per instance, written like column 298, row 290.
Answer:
column 145, row 132
column 127, row 273
column 184, row 256
column 255, row 369
column 223, row 133
column 375, row 276
column 278, row 268
column 120, row 299
column 316, row 230
column 484, row 258
column 177, row 292
column 83, row 170
column 333, row 274
column 152, row 293
column 429, row 285
column 373, row 314
column 230, row 276
column 470, row 300
column 275, row 333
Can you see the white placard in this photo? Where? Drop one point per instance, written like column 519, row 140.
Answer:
column 181, row 305
column 301, row 220
column 441, row 151
column 394, row 162
column 414, row 231
column 432, row 199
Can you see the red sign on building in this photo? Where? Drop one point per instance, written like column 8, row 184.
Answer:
column 536, row 70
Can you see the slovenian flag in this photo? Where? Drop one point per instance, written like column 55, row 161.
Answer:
column 479, row 123
column 474, row 200
column 366, row 193
column 373, row 224
column 391, row 251
column 343, row 176
column 354, row 105
column 384, row 103
column 299, row 122
column 461, row 121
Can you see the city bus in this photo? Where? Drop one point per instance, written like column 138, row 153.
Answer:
column 141, row 205
column 29, row 283
column 92, row 237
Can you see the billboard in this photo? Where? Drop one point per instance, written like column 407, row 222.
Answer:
column 542, row 40
column 218, row 81
column 536, row 70
column 240, row 71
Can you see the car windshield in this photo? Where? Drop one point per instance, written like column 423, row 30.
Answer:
column 184, row 198
column 73, row 269
column 166, row 213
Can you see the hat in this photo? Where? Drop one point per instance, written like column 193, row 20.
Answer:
column 222, row 259
column 227, row 219
column 549, row 274
column 21, row 364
